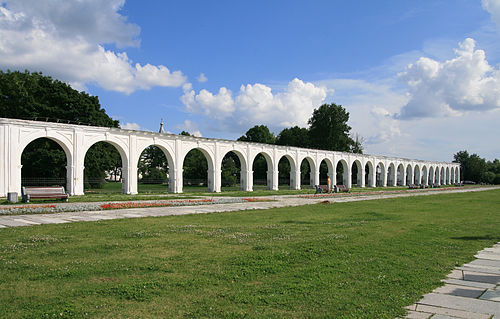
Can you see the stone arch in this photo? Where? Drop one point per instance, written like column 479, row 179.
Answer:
column 323, row 180
column 391, row 174
column 356, row 173
column 417, row 175
column 312, row 168
column 409, row 175
column 431, row 175
column 243, row 167
column 171, row 163
column 291, row 175
column 369, row 174
column 443, row 176
column 381, row 175
column 425, row 176
column 344, row 178
column 268, row 174
column 122, row 150
column 400, row 175
column 210, row 164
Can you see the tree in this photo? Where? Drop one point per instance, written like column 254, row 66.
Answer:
column 25, row 95
column 328, row 129
column 294, row 136
column 153, row 165
column 258, row 134
column 472, row 167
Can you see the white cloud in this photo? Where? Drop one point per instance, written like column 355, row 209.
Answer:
column 257, row 104
column 493, row 7
column 202, row 78
column 464, row 83
column 130, row 126
column 190, row 127
column 64, row 39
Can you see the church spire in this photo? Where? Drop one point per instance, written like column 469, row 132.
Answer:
column 161, row 127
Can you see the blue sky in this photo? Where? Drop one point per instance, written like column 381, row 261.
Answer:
column 420, row 79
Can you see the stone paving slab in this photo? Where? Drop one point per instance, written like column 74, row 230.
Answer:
column 471, row 291
column 431, row 310
column 450, row 289
column 466, row 283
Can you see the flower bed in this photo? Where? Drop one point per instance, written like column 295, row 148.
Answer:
column 76, row 207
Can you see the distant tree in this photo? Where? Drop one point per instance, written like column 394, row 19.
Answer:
column 153, row 165
column 357, row 144
column 294, row 136
column 328, row 129
column 472, row 167
column 258, row 134
column 25, row 95
column 195, row 164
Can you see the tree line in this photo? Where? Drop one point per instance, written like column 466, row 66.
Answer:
column 476, row 169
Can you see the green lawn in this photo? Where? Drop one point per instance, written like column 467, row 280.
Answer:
column 364, row 259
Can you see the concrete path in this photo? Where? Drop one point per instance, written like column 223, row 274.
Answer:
column 277, row 201
column 471, row 291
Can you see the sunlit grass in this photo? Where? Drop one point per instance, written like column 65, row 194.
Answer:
column 344, row 260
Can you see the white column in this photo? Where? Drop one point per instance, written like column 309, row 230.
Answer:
column 273, row 179
column 315, row 176
column 211, row 180
column 246, row 180
column 333, row 175
column 363, row 182
column 295, row 178
column 347, row 177
column 4, row 151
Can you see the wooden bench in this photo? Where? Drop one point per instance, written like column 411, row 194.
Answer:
column 341, row 189
column 322, row 189
column 412, row 186
column 45, row 192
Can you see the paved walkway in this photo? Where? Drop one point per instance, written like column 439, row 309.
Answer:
column 471, row 291
column 278, row 201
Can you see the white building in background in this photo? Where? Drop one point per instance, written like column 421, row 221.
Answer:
column 75, row 140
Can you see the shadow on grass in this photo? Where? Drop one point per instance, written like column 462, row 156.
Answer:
column 485, row 237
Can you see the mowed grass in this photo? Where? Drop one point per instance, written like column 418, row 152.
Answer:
column 364, row 259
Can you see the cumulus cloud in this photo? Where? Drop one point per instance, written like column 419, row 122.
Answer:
column 257, row 104
column 130, row 126
column 65, row 39
column 465, row 83
column 493, row 7
column 202, row 78
column 190, row 127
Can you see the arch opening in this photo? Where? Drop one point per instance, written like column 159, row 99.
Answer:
column 232, row 172
column 326, row 173
column 369, row 182
column 154, row 170
column 391, row 175
column 342, row 173
column 424, row 175
column 262, row 168
column 381, row 175
column 306, row 173
column 286, row 170
column 103, row 168
column 44, row 163
column 409, row 175
column 416, row 175
column 195, row 171
column 400, row 175
column 356, row 174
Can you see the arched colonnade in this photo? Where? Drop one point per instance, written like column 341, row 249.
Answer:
column 76, row 140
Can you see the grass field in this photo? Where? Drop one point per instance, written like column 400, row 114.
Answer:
column 364, row 259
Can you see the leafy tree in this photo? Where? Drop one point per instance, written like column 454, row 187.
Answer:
column 229, row 174
column 472, row 167
column 25, row 95
column 328, row 129
column 294, row 136
column 258, row 134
